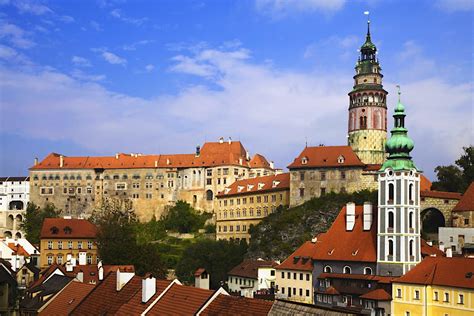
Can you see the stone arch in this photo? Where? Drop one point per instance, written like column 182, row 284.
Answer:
column 10, row 221
column 7, row 234
column 18, row 235
column 431, row 220
column 209, row 195
column 16, row 205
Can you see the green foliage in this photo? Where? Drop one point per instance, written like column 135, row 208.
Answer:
column 217, row 257
column 150, row 231
column 34, row 218
column 210, row 229
column 280, row 233
column 456, row 178
column 183, row 218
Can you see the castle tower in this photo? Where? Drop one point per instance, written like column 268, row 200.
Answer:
column 367, row 107
column 398, row 230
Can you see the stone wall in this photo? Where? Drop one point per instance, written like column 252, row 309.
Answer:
column 445, row 206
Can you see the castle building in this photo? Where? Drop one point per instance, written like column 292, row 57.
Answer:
column 77, row 185
column 398, row 233
column 14, row 198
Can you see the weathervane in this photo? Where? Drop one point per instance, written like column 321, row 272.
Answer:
column 368, row 16
column 399, row 92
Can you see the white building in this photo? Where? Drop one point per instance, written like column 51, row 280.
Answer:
column 14, row 198
column 252, row 276
column 18, row 252
column 455, row 238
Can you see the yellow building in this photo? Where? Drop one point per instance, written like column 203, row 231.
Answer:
column 68, row 238
column 436, row 286
column 247, row 202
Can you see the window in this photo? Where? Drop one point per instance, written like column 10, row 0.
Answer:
column 60, row 245
column 283, row 275
column 79, row 245
column 60, row 259
column 301, row 192
column 435, row 296
column 410, row 247
column 307, row 276
column 148, row 196
column 50, row 244
column 69, row 244
column 367, row 270
column 301, row 292
column 307, row 293
column 390, row 247
column 410, row 220
column 347, row 270
column 399, row 293
column 301, row 276
column 259, row 199
column 460, row 299
column 391, row 221
column 410, row 192
column 135, row 196
column 89, row 244
column 391, row 192
column 46, row 190
column 89, row 190
column 417, row 294
column 446, row 297
column 209, row 195
column 148, row 185
column 343, row 175
column 323, row 191
column 407, row 313
column 323, row 175
column 89, row 258
column 301, row 176
column 50, row 260
column 120, row 186
column 244, row 228
column 136, row 185
column 327, row 269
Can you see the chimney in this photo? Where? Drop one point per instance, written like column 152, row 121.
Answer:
column 449, row 252
column 430, row 243
column 156, row 163
column 441, row 247
column 148, row 288
column 100, row 270
column 221, row 140
column 123, row 278
column 36, row 161
column 272, row 165
column 241, row 161
column 230, row 140
column 198, row 151
column 247, row 155
column 350, row 216
column 116, row 156
column 61, row 161
column 80, row 276
column 82, row 258
column 368, row 215
column 167, row 161
column 69, row 267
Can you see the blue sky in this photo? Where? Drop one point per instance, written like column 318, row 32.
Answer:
column 100, row 77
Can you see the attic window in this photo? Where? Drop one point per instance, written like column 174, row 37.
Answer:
column 54, row 230
column 249, row 187
column 275, row 184
column 240, row 188
column 296, row 259
column 261, row 185
column 330, row 251
column 67, row 230
column 227, row 190
column 340, row 159
column 304, row 161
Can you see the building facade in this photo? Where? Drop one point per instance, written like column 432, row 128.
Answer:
column 463, row 212
column 77, row 185
column 456, row 238
column 64, row 240
column 252, row 276
column 14, row 198
column 247, row 202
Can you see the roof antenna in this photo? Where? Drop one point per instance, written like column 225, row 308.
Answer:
column 399, row 92
column 306, row 141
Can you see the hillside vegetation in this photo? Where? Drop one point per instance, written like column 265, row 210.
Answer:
column 279, row 234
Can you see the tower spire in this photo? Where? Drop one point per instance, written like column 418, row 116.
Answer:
column 368, row 24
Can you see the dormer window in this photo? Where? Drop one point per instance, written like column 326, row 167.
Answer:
column 54, row 230
column 240, row 188
column 249, row 187
column 304, row 161
column 67, row 230
column 227, row 190
column 261, row 185
column 340, row 159
column 275, row 184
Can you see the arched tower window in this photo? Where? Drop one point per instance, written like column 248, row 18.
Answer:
column 391, row 220
column 390, row 247
column 391, row 192
column 363, row 122
column 347, row 270
column 411, row 220
column 411, row 248
column 327, row 269
column 410, row 192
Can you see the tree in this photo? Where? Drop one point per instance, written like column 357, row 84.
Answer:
column 33, row 220
column 217, row 257
column 183, row 218
column 456, row 178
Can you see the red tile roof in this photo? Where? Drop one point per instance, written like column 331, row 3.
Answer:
column 45, row 273
column 373, row 167
column 377, row 295
column 249, row 268
column 467, row 200
column 326, row 156
column 104, row 299
column 355, row 245
column 18, row 249
column 441, row 195
column 331, row 291
column 135, row 306
column 181, row 300
column 258, row 161
column 301, row 259
column 368, row 277
column 211, row 154
column 427, row 250
column 199, row 272
column 57, row 228
column 425, row 183
column 229, row 305
column 442, row 271
column 67, row 299
column 271, row 183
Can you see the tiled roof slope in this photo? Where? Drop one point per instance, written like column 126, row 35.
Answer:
column 442, row 271
column 377, row 295
column 441, row 195
column 211, row 154
column 135, row 306
column 467, row 200
column 249, row 268
column 181, row 300
column 425, row 183
column 14, row 179
column 258, row 161
column 355, row 245
column 271, row 183
column 104, row 299
column 326, row 156
column 80, row 228
column 229, row 305
column 66, row 300
column 427, row 250
column 18, row 249
column 301, row 259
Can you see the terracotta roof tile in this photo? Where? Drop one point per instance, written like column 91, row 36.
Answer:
column 377, row 295
column 326, row 156
column 342, row 245
column 467, row 200
column 301, row 259
column 347, row 276
column 67, row 299
column 249, row 268
column 441, row 195
column 18, row 249
column 271, row 183
column 229, row 305
column 199, row 272
column 181, row 300
column 427, row 250
column 425, row 183
column 57, row 228
column 259, row 161
column 331, row 291
column 442, row 271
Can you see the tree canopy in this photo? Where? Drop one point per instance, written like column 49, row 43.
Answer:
column 457, row 177
column 33, row 220
column 183, row 218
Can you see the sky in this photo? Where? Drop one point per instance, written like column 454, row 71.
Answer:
column 160, row 77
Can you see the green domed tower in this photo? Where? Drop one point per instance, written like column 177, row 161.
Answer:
column 367, row 128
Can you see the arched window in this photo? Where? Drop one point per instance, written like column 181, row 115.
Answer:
column 390, row 247
column 391, row 192
column 327, row 269
column 391, row 220
column 367, row 270
column 410, row 220
column 411, row 246
column 347, row 270
column 410, row 192
column 209, row 195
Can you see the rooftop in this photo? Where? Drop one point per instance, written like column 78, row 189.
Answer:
column 66, row 300
column 300, row 259
column 67, row 228
column 249, row 268
column 237, row 305
column 466, row 203
column 325, row 157
column 271, row 183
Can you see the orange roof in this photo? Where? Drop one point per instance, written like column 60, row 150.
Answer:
column 18, row 249
column 135, row 306
column 211, row 154
column 67, row 299
column 300, row 259
column 278, row 182
column 258, row 161
column 442, row 271
column 326, row 156
column 181, row 300
column 236, row 305
column 355, row 245
column 441, row 195
column 373, row 167
column 199, row 272
column 249, row 268
column 331, row 291
column 425, row 183
column 377, row 295
column 427, row 250
column 467, row 200
column 67, row 228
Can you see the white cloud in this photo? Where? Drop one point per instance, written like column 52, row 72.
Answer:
column 12, row 56
column 455, row 5
column 80, row 61
column 16, row 35
column 149, row 68
column 134, row 46
column 117, row 13
column 66, row 18
column 79, row 74
column 283, row 7
column 344, row 46
column 113, row 59
column 96, row 26
column 32, row 7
